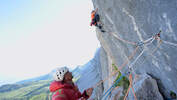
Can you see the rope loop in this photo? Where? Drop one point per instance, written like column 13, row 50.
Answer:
column 141, row 43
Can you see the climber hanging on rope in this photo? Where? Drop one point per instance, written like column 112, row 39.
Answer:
column 95, row 20
column 63, row 87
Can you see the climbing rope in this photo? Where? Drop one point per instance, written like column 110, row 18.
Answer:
column 155, row 49
column 114, row 85
column 111, row 88
column 141, row 43
column 130, row 57
column 126, row 62
column 130, row 87
column 132, row 43
column 137, row 58
column 138, row 44
column 159, row 43
column 149, row 41
column 170, row 43
column 146, row 42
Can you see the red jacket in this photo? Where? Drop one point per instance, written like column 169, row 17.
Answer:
column 66, row 91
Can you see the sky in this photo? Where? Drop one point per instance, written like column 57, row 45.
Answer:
column 37, row 36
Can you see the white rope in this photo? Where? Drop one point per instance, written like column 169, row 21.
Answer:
column 170, row 43
column 150, row 39
column 146, row 41
column 136, row 59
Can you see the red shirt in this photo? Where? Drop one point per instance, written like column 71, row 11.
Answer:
column 66, row 91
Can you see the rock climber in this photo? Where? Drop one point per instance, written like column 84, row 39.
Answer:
column 95, row 19
column 63, row 87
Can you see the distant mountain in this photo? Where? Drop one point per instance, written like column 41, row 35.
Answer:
column 77, row 71
column 2, row 82
column 6, row 80
column 44, row 77
column 49, row 76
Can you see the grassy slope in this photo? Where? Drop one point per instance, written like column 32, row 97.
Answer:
column 34, row 91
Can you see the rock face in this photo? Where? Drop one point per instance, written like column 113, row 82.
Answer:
column 90, row 75
column 146, row 89
column 138, row 20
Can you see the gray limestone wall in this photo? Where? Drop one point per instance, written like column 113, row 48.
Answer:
column 138, row 20
column 91, row 74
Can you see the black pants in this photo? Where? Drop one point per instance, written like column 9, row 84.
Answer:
column 96, row 19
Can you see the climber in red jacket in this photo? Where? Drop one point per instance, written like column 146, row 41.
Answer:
column 95, row 20
column 64, row 88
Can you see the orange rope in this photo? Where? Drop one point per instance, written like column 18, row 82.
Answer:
column 134, row 94
column 130, row 57
column 154, row 50
column 117, row 87
column 130, row 77
column 160, row 42
column 127, row 92
column 126, row 62
column 133, row 43
column 130, row 86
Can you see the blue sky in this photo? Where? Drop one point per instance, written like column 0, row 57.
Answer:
column 37, row 36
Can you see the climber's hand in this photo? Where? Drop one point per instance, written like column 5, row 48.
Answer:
column 91, row 24
column 89, row 91
column 83, row 98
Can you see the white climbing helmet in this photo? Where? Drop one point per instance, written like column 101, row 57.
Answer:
column 60, row 72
